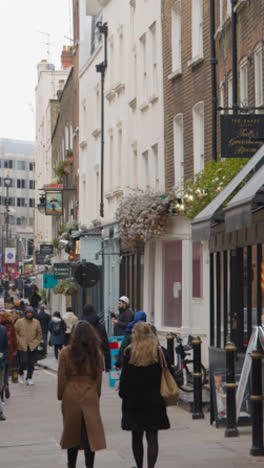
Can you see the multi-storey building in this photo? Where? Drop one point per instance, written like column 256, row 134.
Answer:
column 17, row 161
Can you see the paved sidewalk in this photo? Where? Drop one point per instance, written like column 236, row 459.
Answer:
column 30, row 436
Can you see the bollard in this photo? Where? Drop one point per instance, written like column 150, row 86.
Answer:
column 256, row 400
column 170, row 347
column 231, row 429
column 197, row 380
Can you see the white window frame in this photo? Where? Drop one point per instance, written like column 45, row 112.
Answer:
column 144, row 68
column 145, row 158
column 244, row 82
column 155, row 166
column 258, row 78
column 66, row 136
column 197, row 29
column 221, row 15
column 154, row 60
column 228, row 8
column 198, row 137
column 222, row 95
column 178, row 144
column 230, row 93
column 176, row 42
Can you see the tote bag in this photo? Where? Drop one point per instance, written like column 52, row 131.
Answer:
column 168, row 388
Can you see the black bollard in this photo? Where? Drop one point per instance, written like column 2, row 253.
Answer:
column 256, row 400
column 197, row 380
column 170, row 347
column 231, row 428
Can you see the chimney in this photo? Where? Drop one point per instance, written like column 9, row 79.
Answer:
column 66, row 57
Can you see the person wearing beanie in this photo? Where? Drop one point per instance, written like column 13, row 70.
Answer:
column 29, row 336
column 125, row 316
column 140, row 316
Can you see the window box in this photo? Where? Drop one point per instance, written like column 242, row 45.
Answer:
column 195, row 61
column 176, row 74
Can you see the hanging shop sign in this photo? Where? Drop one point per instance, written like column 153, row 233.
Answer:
column 61, row 271
column 91, row 249
column 46, row 249
column 49, row 281
column 87, row 275
column 10, row 255
column 239, row 135
column 41, row 259
column 53, row 186
column 54, row 203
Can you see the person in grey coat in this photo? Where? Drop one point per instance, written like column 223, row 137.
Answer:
column 125, row 316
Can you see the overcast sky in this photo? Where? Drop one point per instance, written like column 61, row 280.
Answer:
column 22, row 47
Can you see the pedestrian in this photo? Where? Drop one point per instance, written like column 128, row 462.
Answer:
column 143, row 409
column 79, row 388
column 3, row 361
column 7, row 321
column 44, row 320
column 14, row 293
column 89, row 315
column 28, row 332
column 57, row 328
column 70, row 319
column 125, row 316
column 140, row 316
column 35, row 298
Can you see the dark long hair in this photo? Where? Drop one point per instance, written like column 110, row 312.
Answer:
column 85, row 346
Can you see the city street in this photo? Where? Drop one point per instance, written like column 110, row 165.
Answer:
column 29, row 438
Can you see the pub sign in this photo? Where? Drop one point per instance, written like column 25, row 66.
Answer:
column 54, row 205
column 240, row 133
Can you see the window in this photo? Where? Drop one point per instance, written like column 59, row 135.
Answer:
column 198, row 137
column 228, row 7
column 135, row 168
column 120, row 146
column 197, row 270
column 146, row 169
column 197, row 28
column 222, row 96
column 18, row 221
column 144, row 74
column 154, row 64
column 155, row 165
column 221, row 13
column 244, row 83
column 21, row 165
column 176, row 37
column 31, row 166
column 21, row 202
column 112, row 163
column 0, row 181
column 30, row 247
column 8, row 164
column 21, row 183
column 32, row 184
column 172, row 283
column 66, row 136
column 258, row 76
column 178, row 148
column 230, row 93
column 31, row 203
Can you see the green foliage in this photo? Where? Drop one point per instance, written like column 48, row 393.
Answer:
column 60, row 169
column 43, row 295
column 55, row 242
column 210, row 181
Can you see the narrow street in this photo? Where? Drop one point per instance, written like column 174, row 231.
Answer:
column 29, row 438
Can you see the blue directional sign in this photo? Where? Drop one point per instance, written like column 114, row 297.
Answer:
column 49, row 281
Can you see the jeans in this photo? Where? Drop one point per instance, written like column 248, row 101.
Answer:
column 73, row 452
column 2, row 371
column 27, row 361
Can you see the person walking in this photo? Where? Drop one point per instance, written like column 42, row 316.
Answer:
column 140, row 316
column 89, row 315
column 57, row 328
column 35, row 298
column 70, row 319
column 125, row 316
column 7, row 321
column 79, row 389
column 28, row 333
column 143, row 409
column 14, row 293
column 44, row 320
column 3, row 361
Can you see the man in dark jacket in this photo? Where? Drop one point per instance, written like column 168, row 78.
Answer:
column 35, row 298
column 44, row 319
column 3, row 362
column 89, row 315
column 126, row 315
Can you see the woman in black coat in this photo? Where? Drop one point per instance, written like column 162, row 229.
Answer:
column 143, row 409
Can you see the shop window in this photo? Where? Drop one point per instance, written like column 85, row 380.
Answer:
column 172, row 284
column 197, row 290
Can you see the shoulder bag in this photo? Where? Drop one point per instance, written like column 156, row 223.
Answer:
column 168, row 387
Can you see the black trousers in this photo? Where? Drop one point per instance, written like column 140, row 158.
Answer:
column 27, row 361
column 73, row 452
column 57, row 348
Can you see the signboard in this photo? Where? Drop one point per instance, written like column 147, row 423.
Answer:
column 87, row 275
column 61, row 270
column 10, row 255
column 28, row 267
column 40, row 259
column 90, row 248
column 239, row 135
column 53, row 203
column 49, row 281
column 46, row 249
column 53, row 186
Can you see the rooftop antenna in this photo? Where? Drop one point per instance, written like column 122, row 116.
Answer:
column 48, row 43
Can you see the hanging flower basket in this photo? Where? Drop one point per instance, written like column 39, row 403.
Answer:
column 69, row 156
column 62, row 169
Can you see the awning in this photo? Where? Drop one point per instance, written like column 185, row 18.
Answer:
column 238, row 212
column 201, row 225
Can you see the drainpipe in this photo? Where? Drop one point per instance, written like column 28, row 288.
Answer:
column 213, row 63
column 234, row 57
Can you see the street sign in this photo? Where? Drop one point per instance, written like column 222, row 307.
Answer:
column 239, row 135
column 40, row 259
column 10, row 255
column 61, row 270
column 49, row 281
column 46, row 249
column 90, row 246
column 87, row 275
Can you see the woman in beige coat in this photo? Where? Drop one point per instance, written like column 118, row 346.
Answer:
column 79, row 388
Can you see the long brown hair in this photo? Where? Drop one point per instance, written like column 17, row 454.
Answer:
column 144, row 345
column 85, row 345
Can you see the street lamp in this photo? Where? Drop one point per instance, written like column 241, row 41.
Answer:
column 7, row 184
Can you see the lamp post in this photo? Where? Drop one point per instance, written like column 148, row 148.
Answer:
column 7, row 184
